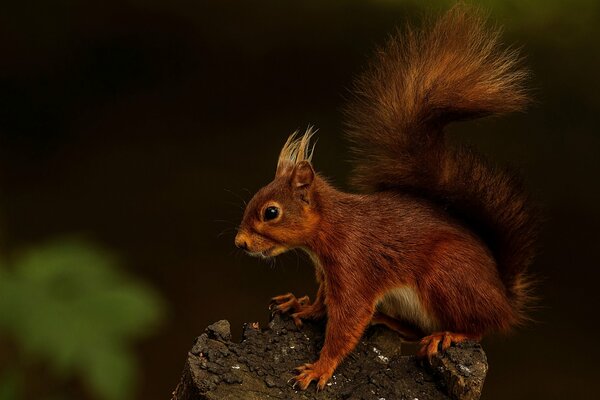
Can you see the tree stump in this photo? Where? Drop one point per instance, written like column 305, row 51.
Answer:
column 262, row 365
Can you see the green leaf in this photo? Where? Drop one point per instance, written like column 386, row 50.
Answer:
column 69, row 304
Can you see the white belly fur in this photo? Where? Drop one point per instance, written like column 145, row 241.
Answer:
column 403, row 303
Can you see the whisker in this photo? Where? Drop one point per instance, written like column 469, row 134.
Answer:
column 237, row 205
column 226, row 231
column 237, row 195
column 297, row 259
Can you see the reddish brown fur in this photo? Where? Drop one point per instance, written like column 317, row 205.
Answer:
column 415, row 86
column 440, row 223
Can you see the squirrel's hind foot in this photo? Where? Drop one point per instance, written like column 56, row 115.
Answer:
column 431, row 344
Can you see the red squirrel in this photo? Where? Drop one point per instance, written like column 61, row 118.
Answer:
column 437, row 243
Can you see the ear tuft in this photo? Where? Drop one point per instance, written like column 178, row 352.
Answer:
column 303, row 175
column 297, row 148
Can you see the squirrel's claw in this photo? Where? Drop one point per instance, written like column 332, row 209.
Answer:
column 297, row 319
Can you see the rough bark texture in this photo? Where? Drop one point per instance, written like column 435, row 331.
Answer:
column 261, row 367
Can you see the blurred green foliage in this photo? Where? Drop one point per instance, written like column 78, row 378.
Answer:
column 67, row 304
column 8, row 386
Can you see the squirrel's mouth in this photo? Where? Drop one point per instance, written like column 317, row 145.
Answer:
column 264, row 253
column 269, row 252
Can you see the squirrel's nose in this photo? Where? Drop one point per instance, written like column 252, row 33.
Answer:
column 240, row 241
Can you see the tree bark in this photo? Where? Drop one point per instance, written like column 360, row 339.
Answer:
column 262, row 365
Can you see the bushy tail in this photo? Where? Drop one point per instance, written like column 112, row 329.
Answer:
column 420, row 81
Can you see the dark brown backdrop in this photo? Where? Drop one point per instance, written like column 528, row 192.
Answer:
column 144, row 125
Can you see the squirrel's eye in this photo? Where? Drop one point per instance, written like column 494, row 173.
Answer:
column 271, row 212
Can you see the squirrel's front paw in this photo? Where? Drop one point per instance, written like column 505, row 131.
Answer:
column 288, row 302
column 318, row 372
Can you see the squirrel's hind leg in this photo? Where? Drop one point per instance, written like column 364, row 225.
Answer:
column 407, row 333
column 430, row 344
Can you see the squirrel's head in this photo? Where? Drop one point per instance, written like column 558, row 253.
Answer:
column 283, row 215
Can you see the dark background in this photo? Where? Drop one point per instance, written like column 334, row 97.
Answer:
column 144, row 124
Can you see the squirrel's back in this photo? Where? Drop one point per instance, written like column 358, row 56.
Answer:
column 419, row 82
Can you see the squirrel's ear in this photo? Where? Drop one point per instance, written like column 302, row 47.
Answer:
column 302, row 175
